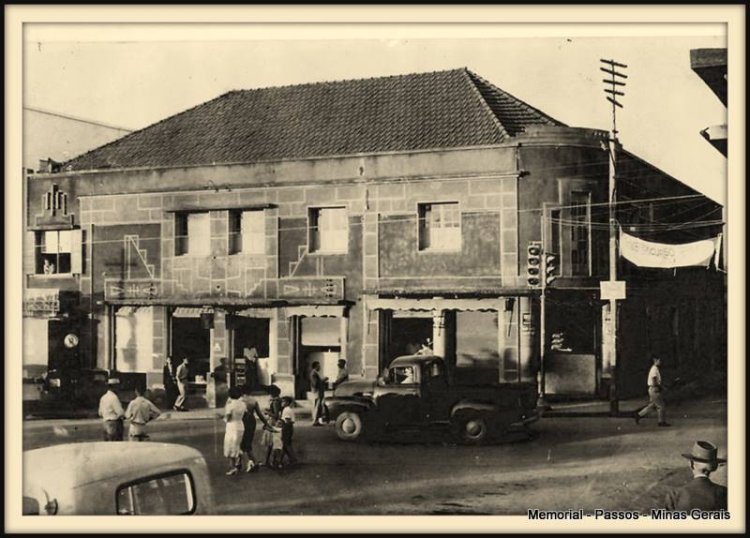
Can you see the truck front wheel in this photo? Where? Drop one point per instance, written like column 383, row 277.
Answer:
column 470, row 428
column 349, row 426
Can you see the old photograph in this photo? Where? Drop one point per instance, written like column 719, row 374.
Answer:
column 378, row 270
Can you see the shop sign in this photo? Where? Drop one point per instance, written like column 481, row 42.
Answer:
column 41, row 302
column 131, row 289
column 311, row 288
column 612, row 290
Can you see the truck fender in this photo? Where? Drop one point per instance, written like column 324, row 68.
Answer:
column 336, row 406
column 468, row 405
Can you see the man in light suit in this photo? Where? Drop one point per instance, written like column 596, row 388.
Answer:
column 182, row 375
column 700, row 492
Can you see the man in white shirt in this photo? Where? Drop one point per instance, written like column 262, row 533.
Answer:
column 655, row 401
column 110, row 409
column 140, row 412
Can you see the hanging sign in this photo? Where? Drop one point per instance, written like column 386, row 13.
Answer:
column 647, row 254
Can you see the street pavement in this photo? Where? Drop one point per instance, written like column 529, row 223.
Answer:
column 573, row 462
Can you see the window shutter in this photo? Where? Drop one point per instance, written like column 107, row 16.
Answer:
column 29, row 253
column 76, row 254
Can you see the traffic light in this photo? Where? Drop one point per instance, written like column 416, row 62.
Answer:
column 534, row 264
column 558, row 341
column 550, row 267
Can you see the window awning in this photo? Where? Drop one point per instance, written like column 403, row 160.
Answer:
column 187, row 312
column 429, row 305
column 316, row 311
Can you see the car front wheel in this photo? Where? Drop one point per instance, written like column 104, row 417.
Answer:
column 349, row 426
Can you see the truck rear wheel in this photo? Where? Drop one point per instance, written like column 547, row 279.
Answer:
column 470, row 428
column 349, row 426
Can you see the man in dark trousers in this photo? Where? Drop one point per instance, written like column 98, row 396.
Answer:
column 318, row 387
column 700, row 492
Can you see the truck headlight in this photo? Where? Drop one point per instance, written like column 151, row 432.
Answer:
column 54, row 382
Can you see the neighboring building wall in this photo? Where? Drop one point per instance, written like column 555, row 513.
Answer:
column 60, row 137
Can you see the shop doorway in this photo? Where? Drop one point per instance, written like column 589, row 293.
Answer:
column 319, row 341
column 407, row 333
column 250, row 351
column 191, row 338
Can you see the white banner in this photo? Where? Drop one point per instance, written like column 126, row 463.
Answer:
column 646, row 254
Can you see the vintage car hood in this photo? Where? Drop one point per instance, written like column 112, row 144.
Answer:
column 355, row 388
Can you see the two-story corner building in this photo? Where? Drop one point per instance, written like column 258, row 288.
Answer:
column 357, row 219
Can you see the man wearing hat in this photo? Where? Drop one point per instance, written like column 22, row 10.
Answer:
column 700, row 492
column 110, row 409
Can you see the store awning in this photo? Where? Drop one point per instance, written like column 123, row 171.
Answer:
column 429, row 305
column 187, row 312
column 316, row 311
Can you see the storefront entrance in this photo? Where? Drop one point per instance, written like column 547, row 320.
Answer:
column 405, row 334
column 191, row 338
column 319, row 341
column 250, row 350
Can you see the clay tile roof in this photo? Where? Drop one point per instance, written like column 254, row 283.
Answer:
column 437, row 110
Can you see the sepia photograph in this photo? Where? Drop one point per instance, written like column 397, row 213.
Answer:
column 327, row 265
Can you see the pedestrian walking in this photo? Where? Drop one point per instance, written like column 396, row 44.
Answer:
column 182, row 376
column 110, row 409
column 287, row 429
column 233, row 413
column 655, row 400
column 318, row 387
column 700, row 492
column 342, row 374
column 249, row 423
column 140, row 412
column 170, row 383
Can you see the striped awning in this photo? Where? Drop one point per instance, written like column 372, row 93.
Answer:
column 187, row 312
column 316, row 311
column 437, row 304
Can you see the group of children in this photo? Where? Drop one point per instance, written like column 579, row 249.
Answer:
column 278, row 430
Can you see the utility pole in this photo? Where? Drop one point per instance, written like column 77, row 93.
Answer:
column 610, row 317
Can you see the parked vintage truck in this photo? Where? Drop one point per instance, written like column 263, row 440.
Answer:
column 418, row 392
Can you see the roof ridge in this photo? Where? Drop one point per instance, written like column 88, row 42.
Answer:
column 349, row 80
column 484, row 104
column 518, row 101
column 149, row 126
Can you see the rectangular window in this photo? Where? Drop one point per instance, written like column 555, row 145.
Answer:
column 580, row 233
column 440, row 226
column 58, row 252
column 168, row 494
column 247, row 232
column 329, row 230
column 192, row 234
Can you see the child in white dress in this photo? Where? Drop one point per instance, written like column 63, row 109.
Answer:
column 233, row 413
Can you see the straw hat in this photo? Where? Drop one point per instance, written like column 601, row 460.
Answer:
column 704, row 452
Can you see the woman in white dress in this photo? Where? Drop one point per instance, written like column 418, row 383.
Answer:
column 233, row 413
